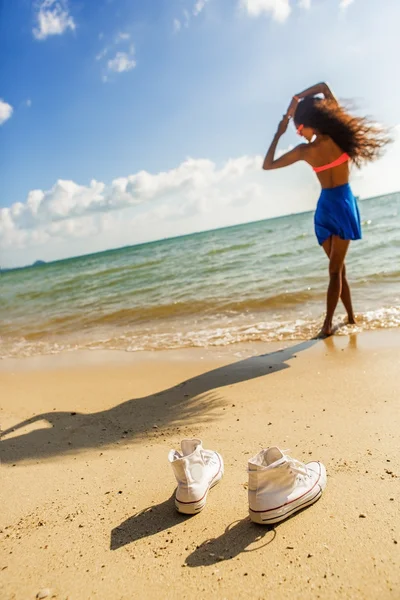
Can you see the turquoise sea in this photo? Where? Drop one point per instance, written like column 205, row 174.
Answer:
column 261, row 281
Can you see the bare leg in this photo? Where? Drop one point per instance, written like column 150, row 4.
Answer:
column 337, row 255
column 346, row 298
column 345, row 293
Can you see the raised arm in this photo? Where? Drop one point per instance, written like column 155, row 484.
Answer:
column 319, row 88
column 286, row 159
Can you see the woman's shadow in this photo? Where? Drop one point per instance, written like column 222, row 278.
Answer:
column 191, row 401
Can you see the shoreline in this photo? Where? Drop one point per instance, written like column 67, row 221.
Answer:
column 215, row 334
column 88, row 491
column 84, row 358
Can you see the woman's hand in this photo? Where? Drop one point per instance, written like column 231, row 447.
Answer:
column 283, row 125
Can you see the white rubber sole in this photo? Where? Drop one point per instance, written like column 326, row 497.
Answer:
column 192, row 508
column 271, row 516
column 281, row 513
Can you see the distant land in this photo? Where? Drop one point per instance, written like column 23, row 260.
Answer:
column 37, row 263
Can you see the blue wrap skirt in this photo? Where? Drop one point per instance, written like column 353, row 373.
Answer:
column 337, row 214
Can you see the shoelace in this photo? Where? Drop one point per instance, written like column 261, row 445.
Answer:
column 296, row 465
column 209, row 458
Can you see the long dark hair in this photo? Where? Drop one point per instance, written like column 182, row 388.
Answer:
column 360, row 137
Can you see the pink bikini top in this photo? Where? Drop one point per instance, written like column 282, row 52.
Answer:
column 339, row 161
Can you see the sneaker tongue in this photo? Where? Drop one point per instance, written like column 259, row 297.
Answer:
column 189, row 446
column 272, row 455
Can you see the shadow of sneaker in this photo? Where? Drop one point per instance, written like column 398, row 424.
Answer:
column 146, row 523
column 239, row 536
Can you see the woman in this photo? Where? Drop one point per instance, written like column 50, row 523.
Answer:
column 335, row 139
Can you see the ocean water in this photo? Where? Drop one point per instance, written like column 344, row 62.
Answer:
column 261, row 281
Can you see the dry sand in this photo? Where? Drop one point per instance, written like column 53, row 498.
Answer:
column 87, row 493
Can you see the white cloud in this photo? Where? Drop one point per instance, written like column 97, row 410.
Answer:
column 194, row 186
column 102, row 53
column 122, row 37
column 199, row 6
column 279, row 9
column 52, row 18
column 280, row 153
column 345, row 3
column 71, row 219
column 177, row 25
column 74, row 219
column 121, row 62
column 6, row 111
column 28, row 103
column 196, row 195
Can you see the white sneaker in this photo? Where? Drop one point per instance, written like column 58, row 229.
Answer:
column 280, row 485
column 196, row 471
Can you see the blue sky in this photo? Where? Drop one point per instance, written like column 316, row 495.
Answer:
column 125, row 121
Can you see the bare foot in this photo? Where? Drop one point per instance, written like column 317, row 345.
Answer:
column 351, row 321
column 324, row 333
column 327, row 328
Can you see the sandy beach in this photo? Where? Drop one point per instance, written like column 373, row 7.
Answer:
column 87, row 492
